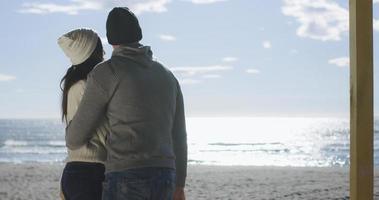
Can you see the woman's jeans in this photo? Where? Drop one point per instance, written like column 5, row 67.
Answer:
column 82, row 181
column 150, row 183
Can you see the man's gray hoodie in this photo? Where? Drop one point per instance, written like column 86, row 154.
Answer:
column 143, row 104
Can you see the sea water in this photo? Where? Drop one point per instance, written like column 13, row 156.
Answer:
column 266, row 141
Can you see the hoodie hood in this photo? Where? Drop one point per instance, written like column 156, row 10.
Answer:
column 137, row 52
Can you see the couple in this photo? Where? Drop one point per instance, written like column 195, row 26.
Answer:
column 125, row 133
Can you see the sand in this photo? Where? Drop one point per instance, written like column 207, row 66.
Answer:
column 41, row 181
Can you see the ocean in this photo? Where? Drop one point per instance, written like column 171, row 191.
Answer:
column 266, row 141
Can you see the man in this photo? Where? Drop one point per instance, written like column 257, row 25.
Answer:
column 143, row 103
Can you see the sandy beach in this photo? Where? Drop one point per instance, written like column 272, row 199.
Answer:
column 41, row 181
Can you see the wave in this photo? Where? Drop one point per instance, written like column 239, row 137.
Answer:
column 243, row 144
column 24, row 143
column 248, row 150
column 57, row 143
column 15, row 143
column 23, row 147
column 33, row 150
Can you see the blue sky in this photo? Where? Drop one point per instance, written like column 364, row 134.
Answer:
column 232, row 57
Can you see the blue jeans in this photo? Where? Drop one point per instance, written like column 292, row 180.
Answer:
column 150, row 183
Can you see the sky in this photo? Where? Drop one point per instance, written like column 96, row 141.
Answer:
column 232, row 57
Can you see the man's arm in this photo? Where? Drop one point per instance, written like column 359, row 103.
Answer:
column 179, row 135
column 88, row 116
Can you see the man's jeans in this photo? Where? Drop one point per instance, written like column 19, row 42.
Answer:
column 151, row 183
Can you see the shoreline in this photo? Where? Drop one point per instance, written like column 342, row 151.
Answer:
column 41, row 181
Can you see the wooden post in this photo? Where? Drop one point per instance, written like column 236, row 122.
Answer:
column 361, row 100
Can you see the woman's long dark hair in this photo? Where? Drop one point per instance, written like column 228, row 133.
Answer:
column 79, row 72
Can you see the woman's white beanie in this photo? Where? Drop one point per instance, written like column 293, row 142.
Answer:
column 78, row 44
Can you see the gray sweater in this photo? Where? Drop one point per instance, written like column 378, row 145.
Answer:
column 143, row 104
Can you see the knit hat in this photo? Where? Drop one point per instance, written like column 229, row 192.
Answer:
column 123, row 27
column 78, row 44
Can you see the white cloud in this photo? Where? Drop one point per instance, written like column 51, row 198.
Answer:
column 5, row 77
column 319, row 19
column 229, row 59
column 211, row 76
column 197, row 74
column 376, row 1
column 195, row 70
column 71, row 8
column 74, row 7
column 266, row 44
column 340, row 62
column 253, row 71
column 188, row 81
column 205, row 1
column 168, row 38
column 157, row 6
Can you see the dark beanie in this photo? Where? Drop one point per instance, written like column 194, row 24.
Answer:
column 122, row 27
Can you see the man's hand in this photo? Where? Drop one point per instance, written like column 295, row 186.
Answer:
column 179, row 194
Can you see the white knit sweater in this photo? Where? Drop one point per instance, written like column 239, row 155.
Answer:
column 94, row 151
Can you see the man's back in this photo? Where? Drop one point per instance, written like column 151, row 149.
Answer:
column 141, row 113
column 144, row 105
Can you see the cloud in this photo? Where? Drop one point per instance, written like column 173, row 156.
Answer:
column 196, row 70
column 323, row 20
column 319, row 19
column 168, row 38
column 253, row 71
column 229, row 59
column 266, row 44
column 157, row 6
column 190, row 75
column 5, row 77
column 188, row 81
column 74, row 7
column 340, row 62
column 205, row 1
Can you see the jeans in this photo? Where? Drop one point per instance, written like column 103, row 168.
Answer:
column 82, row 181
column 150, row 183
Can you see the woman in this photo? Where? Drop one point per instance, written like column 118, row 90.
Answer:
column 84, row 171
